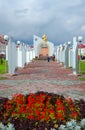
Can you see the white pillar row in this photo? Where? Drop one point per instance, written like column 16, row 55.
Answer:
column 68, row 54
column 17, row 55
column 21, row 55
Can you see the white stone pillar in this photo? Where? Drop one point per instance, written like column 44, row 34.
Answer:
column 30, row 53
column 33, row 53
column 75, row 56
column 27, row 54
column 6, row 52
column 61, row 53
column 19, row 56
column 57, row 53
column 66, row 55
column 75, row 53
column 23, row 55
column 70, row 56
column 11, row 57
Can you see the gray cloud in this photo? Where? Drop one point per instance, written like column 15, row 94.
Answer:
column 59, row 20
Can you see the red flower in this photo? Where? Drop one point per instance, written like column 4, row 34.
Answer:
column 39, row 107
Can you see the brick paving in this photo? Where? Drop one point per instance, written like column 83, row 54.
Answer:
column 43, row 76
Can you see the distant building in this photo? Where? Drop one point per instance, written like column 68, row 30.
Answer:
column 81, row 49
column 43, row 47
column 2, row 45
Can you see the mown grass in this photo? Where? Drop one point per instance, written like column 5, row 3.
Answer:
column 3, row 78
column 81, row 67
column 82, row 78
column 3, row 66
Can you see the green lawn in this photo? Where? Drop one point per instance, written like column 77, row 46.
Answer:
column 3, row 66
column 82, row 78
column 81, row 66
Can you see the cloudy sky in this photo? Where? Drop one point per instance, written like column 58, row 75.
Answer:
column 60, row 20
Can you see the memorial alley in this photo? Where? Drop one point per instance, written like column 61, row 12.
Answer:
column 44, row 76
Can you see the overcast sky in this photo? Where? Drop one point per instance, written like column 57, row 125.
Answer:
column 60, row 20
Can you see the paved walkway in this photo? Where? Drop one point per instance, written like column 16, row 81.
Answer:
column 43, row 76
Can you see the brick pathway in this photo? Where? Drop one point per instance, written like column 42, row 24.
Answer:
column 43, row 76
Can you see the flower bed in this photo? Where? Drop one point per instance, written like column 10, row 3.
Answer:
column 40, row 111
